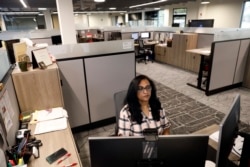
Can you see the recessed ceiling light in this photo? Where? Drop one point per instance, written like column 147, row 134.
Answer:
column 99, row 0
column 205, row 2
column 42, row 8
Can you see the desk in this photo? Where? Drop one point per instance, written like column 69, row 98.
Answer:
column 202, row 52
column 213, row 144
column 52, row 142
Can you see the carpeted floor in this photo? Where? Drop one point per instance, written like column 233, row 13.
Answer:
column 186, row 114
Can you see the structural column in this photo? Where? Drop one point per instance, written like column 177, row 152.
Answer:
column 48, row 20
column 66, row 21
column 3, row 27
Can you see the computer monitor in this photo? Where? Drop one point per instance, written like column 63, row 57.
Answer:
column 135, row 35
column 227, row 133
column 10, row 50
column 145, row 34
column 201, row 23
column 173, row 151
column 56, row 39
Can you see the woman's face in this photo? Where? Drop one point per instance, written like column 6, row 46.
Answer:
column 144, row 91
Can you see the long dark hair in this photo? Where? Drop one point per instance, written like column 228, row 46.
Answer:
column 133, row 101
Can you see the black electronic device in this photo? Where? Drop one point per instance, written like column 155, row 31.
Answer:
column 172, row 151
column 56, row 155
column 227, row 133
column 56, row 39
column 10, row 50
column 201, row 23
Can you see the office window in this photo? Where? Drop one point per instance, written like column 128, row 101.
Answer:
column 245, row 18
column 179, row 17
column 24, row 22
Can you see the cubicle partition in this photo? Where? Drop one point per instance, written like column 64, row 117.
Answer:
column 9, row 110
column 227, row 65
column 91, row 73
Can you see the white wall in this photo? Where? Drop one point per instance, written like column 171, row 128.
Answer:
column 81, row 21
column 226, row 13
column 99, row 20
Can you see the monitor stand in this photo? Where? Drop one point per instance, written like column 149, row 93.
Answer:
column 149, row 150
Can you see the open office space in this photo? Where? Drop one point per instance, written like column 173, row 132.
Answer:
column 198, row 74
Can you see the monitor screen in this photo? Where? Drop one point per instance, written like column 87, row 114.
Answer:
column 10, row 50
column 201, row 23
column 172, row 151
column 56, row 40
column 228, row 132
column 145, row 35
column 135, row 36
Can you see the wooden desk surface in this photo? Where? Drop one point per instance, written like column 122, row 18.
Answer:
column 150, row 43
column 200, row 51
column 211, row 129
column 52, row 142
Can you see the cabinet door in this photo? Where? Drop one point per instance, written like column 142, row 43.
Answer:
column 38, row 89
column 192, row 62
column 105, row 76
column 74, row 91
column 157, row 53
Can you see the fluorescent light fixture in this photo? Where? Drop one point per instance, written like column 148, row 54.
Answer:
column 18, row 13
column 99, row 0
column 23, row 3
column 112, row 8
column 95, row 12
column 203, row 2
column 42, row 8
column 150, row 3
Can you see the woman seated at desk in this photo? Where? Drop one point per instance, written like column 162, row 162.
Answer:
column 142, row 109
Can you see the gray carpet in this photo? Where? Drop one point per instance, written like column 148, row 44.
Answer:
column 186, row 114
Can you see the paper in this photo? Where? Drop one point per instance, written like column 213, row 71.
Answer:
column 42, row 56
column 54, row 113
column 50, row 126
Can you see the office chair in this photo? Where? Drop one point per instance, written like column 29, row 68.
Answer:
column 119, row 98
column 144, row 54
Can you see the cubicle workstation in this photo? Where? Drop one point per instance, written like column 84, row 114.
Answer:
column 10, row 110
column 91, row 73
column 227, row 65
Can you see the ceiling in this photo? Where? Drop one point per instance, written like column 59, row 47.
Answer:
column 83, row 5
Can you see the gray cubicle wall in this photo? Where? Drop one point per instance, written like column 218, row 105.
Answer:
column 9, row 109
column 91, row 73
column 9, row 101
column 227, row 66
column 205, row 40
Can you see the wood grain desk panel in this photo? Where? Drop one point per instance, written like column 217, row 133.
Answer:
column 211, row 129
column 200, row 51
column 38, row 89
column 52, row 142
